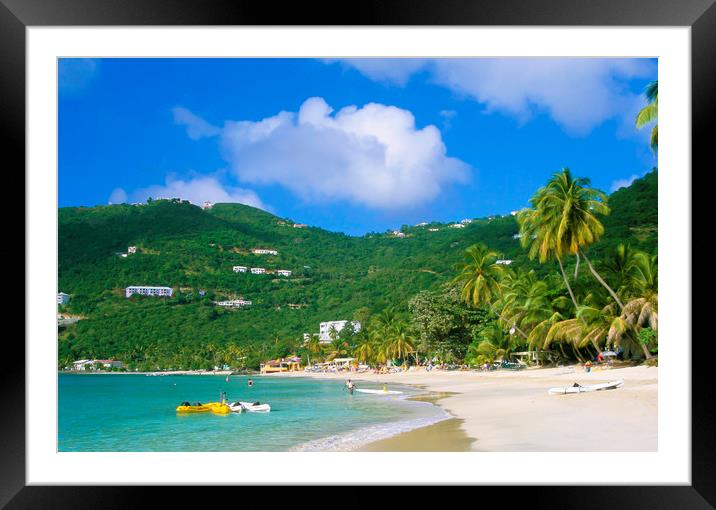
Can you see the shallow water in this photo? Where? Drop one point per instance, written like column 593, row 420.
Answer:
column 105, row 412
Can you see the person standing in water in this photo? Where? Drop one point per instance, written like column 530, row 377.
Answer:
column 350, row 386
column 251, row 383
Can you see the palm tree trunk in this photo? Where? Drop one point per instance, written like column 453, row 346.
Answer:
column 647, row 354
column 566, row 282
column 512, row 324
column 600, row 280
column 576, row 268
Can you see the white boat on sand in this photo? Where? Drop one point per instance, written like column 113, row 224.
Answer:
column 379, row 392
column 578, row 388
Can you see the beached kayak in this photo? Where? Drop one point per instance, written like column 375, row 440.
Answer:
column 380, row 392
column 577, row 388
column 250, row 407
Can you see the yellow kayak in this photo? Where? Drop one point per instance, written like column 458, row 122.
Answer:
column 219, row 408
column 197, row 407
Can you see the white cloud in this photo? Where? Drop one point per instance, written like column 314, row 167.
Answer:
column 623, row 183
column 118, row 196
column 392, row 70
column 577, row 93
column 373, row 156
column 196, row 127
column 199, row 189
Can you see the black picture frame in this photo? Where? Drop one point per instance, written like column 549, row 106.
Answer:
column 700, row 15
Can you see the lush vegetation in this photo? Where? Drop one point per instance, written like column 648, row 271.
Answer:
column 436, row 294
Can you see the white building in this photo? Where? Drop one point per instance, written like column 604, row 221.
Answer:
column 233, row 303
column 433, row 229
column 93, row 364
column 148, row 291
column 240, row 269
column 457, row 225
column 207, row 205
column 516, row 236
column 299, row 225
column 466, row 221
column 62, row 298
column 324, row 335
column 504, row 262
column 398, row 233
column 422, row 224
column 258, row 270
column 131, row 249
column 284, row 272
column 263, row 251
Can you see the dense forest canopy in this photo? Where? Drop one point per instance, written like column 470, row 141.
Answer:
column 334, row 277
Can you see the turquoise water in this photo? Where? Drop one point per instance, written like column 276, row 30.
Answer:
column 135, row 413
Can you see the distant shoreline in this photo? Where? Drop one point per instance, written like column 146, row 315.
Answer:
column 157, row 374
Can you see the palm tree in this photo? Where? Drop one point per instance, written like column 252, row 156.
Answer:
column 642, row 308
column 492, row 342
column 650, row 113
column 400, row 341
column 479, row 280
column 313, row 346
column 365, row 350
column 563, row 221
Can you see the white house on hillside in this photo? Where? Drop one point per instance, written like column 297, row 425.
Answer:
column 504, row 262
column 457, row 225
column 131, row 249
column 284, row 272
column 240, row 269
column 148, row 291
column 258, row 270
column 263, row 251
column 233, row 303
column 62, row 298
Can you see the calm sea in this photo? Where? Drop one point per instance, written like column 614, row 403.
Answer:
column 135, row 413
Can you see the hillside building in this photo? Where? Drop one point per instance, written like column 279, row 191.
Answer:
column 233, row 303
column 148, row 291
column 131, row 249
column 62, row 298
column 263, row 251
column 258, row 270
column 504, row 262
column 457, row 225
column 240, row 269
column 300, row 225
column 284, row 272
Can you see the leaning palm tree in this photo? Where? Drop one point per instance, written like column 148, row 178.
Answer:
column 563, row 221
column 650, row 113
column 479, row 280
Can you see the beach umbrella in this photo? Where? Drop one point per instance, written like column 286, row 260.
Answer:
column 609, row 353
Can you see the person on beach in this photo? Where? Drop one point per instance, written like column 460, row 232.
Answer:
column 350, row 386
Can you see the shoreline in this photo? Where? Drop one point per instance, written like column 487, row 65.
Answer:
column 512, row 411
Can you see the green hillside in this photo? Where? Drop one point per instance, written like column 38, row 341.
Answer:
column 334, row 276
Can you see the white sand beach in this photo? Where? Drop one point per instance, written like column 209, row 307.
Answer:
column 512, row 411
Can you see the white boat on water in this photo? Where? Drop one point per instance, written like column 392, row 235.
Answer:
column 379, row 392
column 578, row 388
column 249, row 407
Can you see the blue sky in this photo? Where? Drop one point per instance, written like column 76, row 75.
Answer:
column 352, row 145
